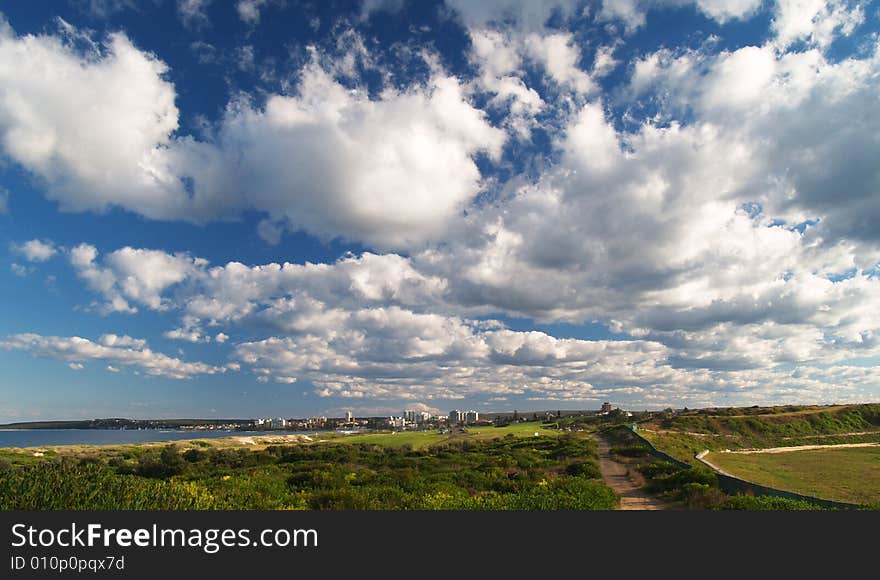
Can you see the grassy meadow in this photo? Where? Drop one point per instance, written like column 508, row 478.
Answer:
column 847, row 474
column 423, row 439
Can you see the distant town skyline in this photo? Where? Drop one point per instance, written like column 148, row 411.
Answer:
column 213, row 209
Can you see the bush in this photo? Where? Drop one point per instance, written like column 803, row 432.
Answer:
column 765, row 503
column 60, row 486
column 587, row 469
column 631, row 451
column 701, row 496
column 194, row 455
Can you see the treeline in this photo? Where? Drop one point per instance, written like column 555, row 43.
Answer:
column 510, row 473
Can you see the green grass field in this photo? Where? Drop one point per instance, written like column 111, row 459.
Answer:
column 422, row 439
column 418, row 439
column 845, row 474
column 517, row 429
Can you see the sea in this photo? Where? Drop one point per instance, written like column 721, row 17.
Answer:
column 45, row 437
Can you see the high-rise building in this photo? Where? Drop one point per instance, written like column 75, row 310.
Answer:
column 348, row 416
column 467, row 417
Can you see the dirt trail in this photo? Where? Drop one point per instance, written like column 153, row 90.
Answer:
column 796, row 448
column 614, row 474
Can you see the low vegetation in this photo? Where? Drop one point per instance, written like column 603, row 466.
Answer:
column 500, row 473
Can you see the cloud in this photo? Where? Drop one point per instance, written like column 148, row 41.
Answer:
column 522, row 13
column 129, row 352
column 249, row 10
column 105, row 8
column 500, row 61
column 390, row 171
column 193, row 12
column 396, row 354
column 384, row 410
column 36, row 250
column 633, row 13
column 806, row 122
column 533, row 79
column 333, row 162
column 723, row 11
column 375, row 327
column 94, row 127
column 131, row 275
column 559, row 56
column 4, row 201
column 816, row 22
column 115, row 340
column 186, row 334
column 716, row 211
column 270, row 232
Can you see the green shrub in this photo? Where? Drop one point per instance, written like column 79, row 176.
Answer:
column 194, row 455
column 766, row 503
column 56, row 486
column 587, row 469
column 702, row 496
column 631, row 451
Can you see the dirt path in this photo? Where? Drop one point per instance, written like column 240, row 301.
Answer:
column 614, row 475
column 797, row 448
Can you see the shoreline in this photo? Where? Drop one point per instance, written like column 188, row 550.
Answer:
column 229, row 438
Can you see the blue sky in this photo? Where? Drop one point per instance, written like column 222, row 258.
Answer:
column 264, row 207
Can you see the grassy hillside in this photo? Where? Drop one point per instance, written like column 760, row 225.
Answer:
column 776, row 423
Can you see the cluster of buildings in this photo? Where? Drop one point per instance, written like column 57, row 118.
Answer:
column 607, row 410
column 417, row 416
column 424, row 420
column 413, row 420
column 409, row 420
column 277, row 423
column 457, row 417
column 310, row 424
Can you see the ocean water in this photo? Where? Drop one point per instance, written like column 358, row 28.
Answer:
column 41, row 437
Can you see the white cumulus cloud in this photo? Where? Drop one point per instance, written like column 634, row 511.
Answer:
column 77, row 351
column 36, row 250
